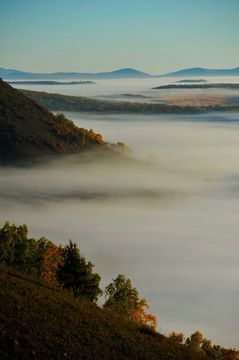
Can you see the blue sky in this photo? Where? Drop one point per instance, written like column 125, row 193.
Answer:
column 154, row 36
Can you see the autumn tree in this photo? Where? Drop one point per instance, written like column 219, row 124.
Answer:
column 204, row 346
column 124, row 299
column 195, row 340
column 230, row 354
column 177, row 337
column 76, row 274
column 52, row 258
column 141, row 316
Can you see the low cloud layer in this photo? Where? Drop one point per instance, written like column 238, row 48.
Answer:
column 167, row 218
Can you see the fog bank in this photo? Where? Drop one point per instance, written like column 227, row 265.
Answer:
column 167, row 219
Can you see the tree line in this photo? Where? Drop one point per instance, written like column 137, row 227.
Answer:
column 58, row 102
column 67, row 268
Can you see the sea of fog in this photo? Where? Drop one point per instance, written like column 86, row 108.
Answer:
column 168, row 219
column 119, row 89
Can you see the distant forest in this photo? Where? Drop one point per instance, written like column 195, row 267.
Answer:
column 191, row 81
column 199, row 86
column 48, row 82
column 57, row 102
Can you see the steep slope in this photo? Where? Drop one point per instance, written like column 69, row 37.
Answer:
column 28, row 131
column 40, row 322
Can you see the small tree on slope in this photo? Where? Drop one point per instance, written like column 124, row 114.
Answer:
column 76, row 274
column 123, row 299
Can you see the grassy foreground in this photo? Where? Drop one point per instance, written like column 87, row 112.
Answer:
column 41, row 322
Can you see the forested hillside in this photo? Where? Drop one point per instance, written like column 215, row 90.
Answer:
column 48, row 297
column 29, row 131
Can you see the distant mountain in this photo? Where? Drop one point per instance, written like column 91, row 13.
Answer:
column 205, row 72
column 29, row 131
column 127, row 73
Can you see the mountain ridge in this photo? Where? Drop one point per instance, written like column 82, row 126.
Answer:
column 124, row 73
column 198, row 71
column 120, row 73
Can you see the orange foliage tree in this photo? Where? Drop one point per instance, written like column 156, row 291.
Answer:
column 204, row 346
column 52, row 259
column 141, row 316
column 230, row 354
column 178, row 337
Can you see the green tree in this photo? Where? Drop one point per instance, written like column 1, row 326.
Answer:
column 124, row 299
column 121, row 297
column 18, row 251
column 15, row 248
column 76, row 274
column 7, row 243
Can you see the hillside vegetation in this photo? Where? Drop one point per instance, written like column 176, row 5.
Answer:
column 41, row 322
column 29, row 131
column 41, row 319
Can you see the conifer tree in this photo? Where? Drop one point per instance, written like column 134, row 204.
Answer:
column 76, row 274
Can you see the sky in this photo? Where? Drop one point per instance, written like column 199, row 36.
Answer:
column 154, row 36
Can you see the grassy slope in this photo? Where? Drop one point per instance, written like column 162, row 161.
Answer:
column 28, row 130
column 40, row 322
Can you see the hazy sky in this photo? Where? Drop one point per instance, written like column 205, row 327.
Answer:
column 155, row 36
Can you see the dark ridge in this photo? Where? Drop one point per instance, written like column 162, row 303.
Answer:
column 28, row 131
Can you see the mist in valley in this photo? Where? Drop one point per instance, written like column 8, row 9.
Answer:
column 141, row 90
column 166, row 216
